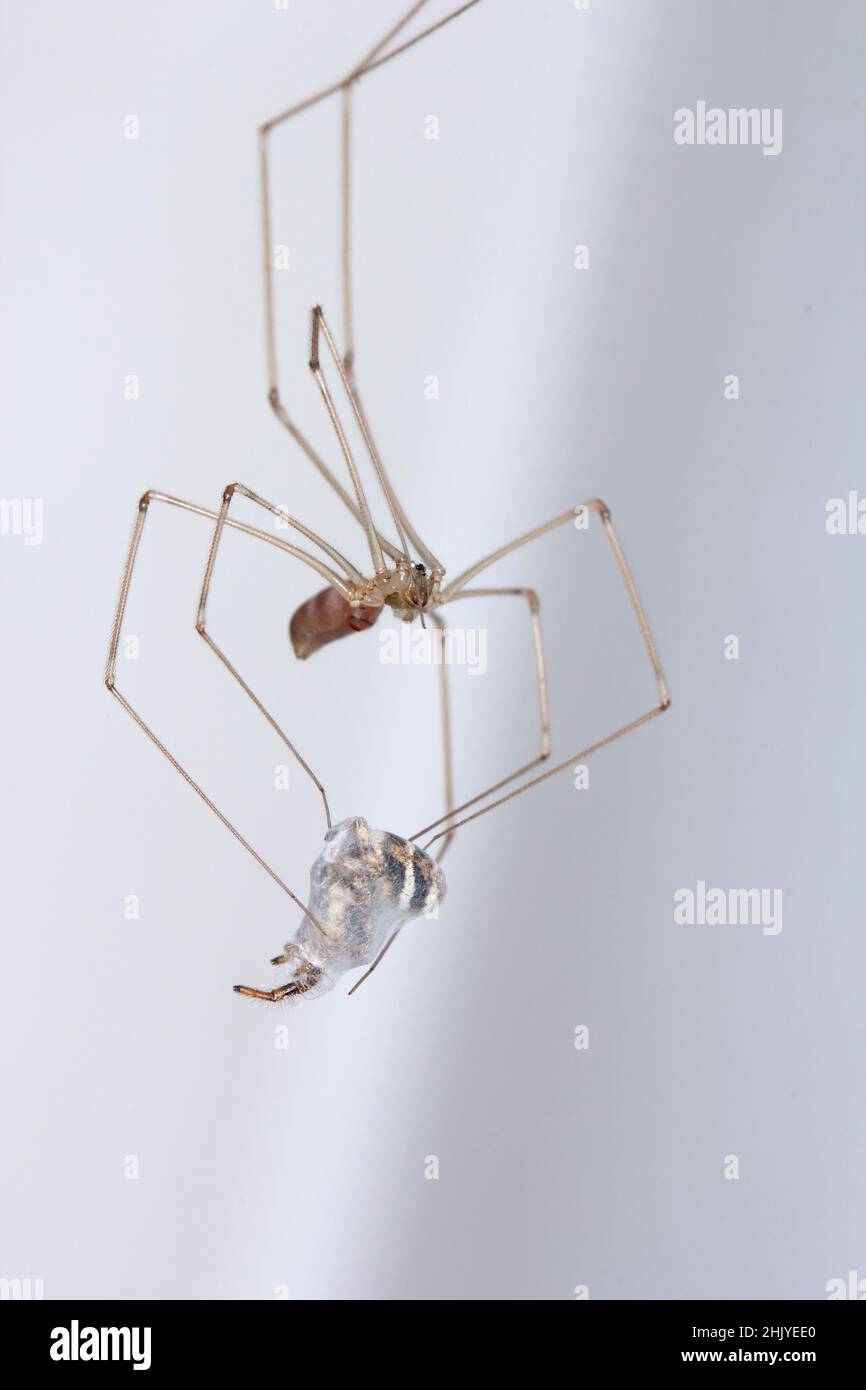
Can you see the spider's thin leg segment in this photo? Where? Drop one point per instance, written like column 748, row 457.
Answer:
column 664, row 699
column 340, row 585
column 401, row 520
column 346, row 203
column 447, row 748
column 270, row 335
column 382, row 44
column 595, row 505
column 467, row 576
column 375, row 58
column 111, row 683
column 379, row 566
column 560, row 767
column 544, row 709
column 448, row 775
column 279, row 410
column 372, row 64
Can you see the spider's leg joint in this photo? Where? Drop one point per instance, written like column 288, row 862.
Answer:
column 601, row 507
column 317, row 317
column 146, row 498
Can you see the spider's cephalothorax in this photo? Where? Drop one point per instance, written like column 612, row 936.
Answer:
column 364, row 886
column 409, row 590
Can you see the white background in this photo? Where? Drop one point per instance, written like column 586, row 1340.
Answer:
column 304, row 1167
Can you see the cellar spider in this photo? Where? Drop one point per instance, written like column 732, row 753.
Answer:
column 365, row 883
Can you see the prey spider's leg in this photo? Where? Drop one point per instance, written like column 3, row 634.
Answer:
column 111, row 680
column 344, row 587
column 664, row 698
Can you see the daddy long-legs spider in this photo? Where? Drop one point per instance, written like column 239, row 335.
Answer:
column 365, row 883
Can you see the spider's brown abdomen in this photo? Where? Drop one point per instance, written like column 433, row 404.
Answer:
column 325, row 618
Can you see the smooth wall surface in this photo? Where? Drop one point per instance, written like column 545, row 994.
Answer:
column 440, row 1134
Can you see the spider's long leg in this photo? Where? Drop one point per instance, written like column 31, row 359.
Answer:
column 277, row 406
column 543, row 705
column 452, row 590
column 354, row 504
column 401, row 520
column 375, row 58
column 447, row 749
column 372, row 534
column 448, row 768
column 346, row 201
column 342, row 586
column 664, row 699
column 111, row 670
